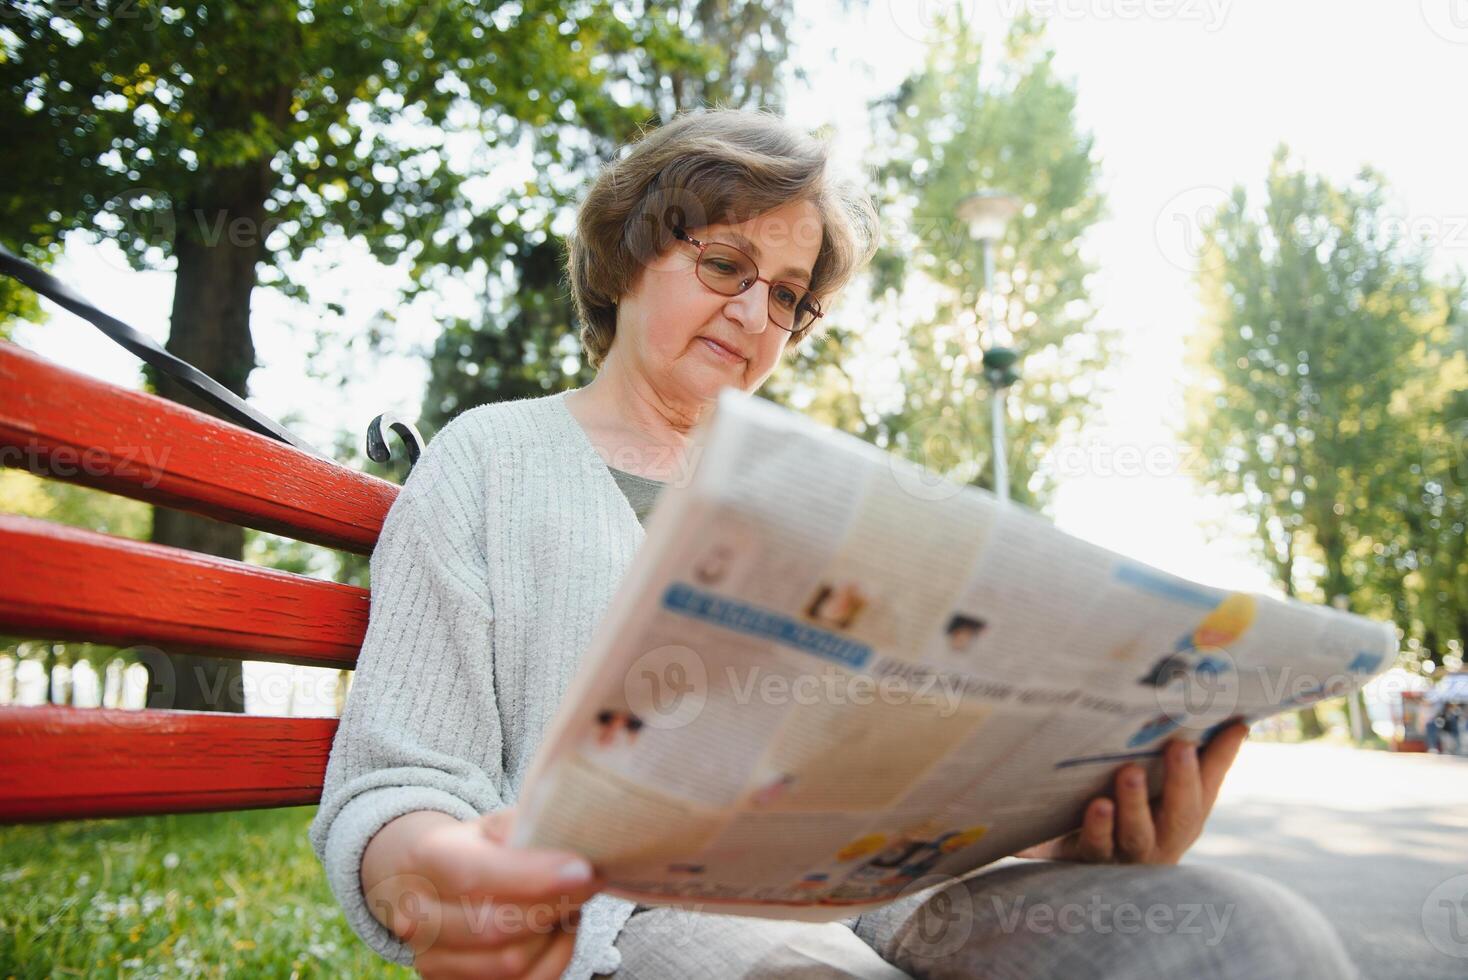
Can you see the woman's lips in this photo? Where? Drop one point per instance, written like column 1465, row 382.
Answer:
column 722, row 351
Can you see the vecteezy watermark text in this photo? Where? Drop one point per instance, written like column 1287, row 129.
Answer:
column 668, row 687
column 142, row 464
column 1201, row 919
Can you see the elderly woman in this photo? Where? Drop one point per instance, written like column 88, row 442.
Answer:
column 700, row 258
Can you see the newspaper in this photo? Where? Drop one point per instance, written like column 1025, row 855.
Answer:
column 829, row 675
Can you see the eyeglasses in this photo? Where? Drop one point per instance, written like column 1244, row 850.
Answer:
column 729, row 271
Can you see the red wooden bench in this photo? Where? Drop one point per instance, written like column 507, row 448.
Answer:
column 62, row 583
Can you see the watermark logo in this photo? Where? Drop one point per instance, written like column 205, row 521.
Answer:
column 131, row 14
column 929, row 21
column 139, row 218
column 159, row 688
column 1196, row 683
column 408, row 904
column 667, row 687
column 1445, row 917
column 1448, row 19
column 666, row 206
column 933, row 460
column 142, row 465
column 1211, row 14
column 945, row 920
column 1205, row 920
column 1072, row 458
column 1183, row 226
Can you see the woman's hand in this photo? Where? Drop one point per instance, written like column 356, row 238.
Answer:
column 1134, row 830
column 469, row 905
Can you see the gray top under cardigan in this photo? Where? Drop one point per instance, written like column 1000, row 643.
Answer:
column 640, row 492
column 494, row 565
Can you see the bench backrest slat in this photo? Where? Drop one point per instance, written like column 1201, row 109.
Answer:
column 101, row 762
column 64, row 425
column 65, row 583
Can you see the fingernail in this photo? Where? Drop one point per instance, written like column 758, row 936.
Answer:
column 1134, row 778
column 1104, row 808
column 574, row 873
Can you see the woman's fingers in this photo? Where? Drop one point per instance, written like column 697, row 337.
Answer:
column 516, row 960
column 496, row 824
column 1129, row 830
column 555, row 959
column 465, row 922
column 462, row 861
column 1180, row 817
column 466, row 890
column 1217, row 758
column 1135, row 834
column 1096, row 841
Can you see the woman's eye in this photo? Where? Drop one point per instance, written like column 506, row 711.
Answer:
column 722, row 268
column 786, row 298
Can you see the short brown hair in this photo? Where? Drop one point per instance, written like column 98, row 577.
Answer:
column 716, row 166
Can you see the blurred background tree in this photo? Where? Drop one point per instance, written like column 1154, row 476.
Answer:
column 981, row 116
column 1418, row 572
column 1332, row 386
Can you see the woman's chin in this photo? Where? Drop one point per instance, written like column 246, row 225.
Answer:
column 706, row 384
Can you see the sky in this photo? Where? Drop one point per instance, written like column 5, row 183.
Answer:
column 1185, row 98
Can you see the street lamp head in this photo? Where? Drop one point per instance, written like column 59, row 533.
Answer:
column 1001, row 367
column 987, row 213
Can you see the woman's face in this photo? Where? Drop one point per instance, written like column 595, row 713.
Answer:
column 670, row 326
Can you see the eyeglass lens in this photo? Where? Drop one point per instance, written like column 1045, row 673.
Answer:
column 727, row 270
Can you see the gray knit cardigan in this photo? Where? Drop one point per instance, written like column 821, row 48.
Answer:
column 495, row 562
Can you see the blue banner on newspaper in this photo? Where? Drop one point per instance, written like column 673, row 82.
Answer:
column 1162, row 584
column 754, row 621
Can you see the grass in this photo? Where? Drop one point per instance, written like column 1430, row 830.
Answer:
column 190, row 895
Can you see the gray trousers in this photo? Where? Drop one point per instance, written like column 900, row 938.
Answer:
column 1015, row 918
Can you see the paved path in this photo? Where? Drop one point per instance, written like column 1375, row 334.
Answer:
column 1377, row 840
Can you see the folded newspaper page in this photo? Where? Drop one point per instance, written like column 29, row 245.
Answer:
column 829, row 675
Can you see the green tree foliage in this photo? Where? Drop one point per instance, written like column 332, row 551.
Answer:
column 973, row 120
column 1332, row 388
column 16, row 303
column 1419, row 572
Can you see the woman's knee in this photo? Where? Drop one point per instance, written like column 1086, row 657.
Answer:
column 1102, row 921
column 1245, row 918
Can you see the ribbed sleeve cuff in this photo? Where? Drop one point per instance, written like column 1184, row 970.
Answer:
column 354, row 826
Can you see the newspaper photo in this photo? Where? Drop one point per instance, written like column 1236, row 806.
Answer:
column 829, row 673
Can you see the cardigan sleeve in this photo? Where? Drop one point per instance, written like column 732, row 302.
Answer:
column 421, row 726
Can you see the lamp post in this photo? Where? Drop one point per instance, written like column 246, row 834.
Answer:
column 987, row 213
column 1353, row 714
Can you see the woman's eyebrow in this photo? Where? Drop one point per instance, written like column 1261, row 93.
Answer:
column 753, row 249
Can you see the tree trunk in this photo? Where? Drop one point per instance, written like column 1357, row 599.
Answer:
column 1310, row 724
column 343, row 678
column 217, row 242
column 49, row 663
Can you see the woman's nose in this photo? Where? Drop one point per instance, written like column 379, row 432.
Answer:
column 750, row 309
